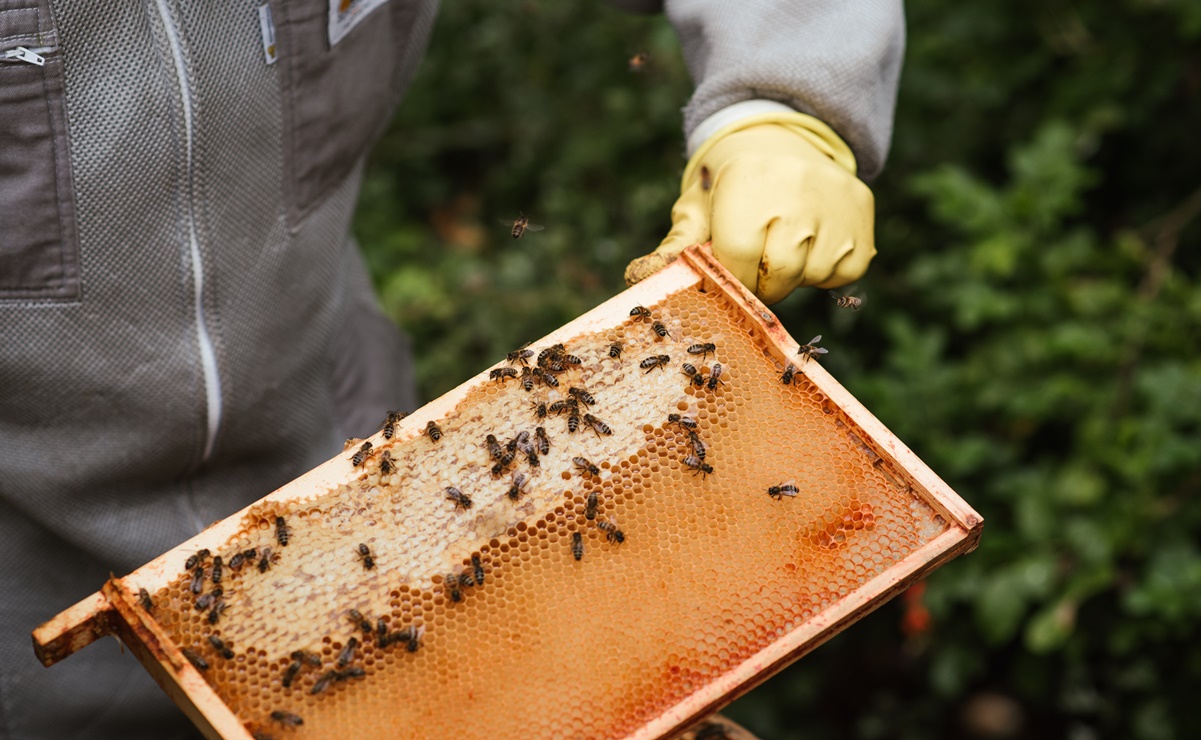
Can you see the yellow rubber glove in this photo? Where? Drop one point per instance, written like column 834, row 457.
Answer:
column 778, row 196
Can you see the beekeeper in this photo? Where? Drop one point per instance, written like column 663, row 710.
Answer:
column 186, row 322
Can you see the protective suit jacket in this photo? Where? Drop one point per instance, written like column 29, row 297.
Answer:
column 185, row 324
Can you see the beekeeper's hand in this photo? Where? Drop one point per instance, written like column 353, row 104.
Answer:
column 778, row 196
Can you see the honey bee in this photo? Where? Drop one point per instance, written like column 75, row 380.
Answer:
column 145, row 601
column 543, row 441
column 653, row 362
column 519, row 481
column 661, row 329
column 693, row 374
column 495, row 451
column 597, row 425
column 506, row 458
column 520, row 225
column 478, row 568
column 527, row 379
column 615, row 350
column 581, row 395
column 195, row 659
column 221, row 647
column 715, row 376
column 502, row 374
column 539, row 410
column 390, row 423
column 585, row 464
column 218, row 609
column 217, row 571
column 573, row 421
column 784, row 489
column 194, row 560
column 287, row 719
column 347, row 653
column 698, row 466
column 551, row 352
column 354, row 671
column 236, row 562
column 639, row 313
column 789, row 372
column 462, row 500
column 591, row 505
column 703, row 350
column 698, row 447
column 811, row 349
column 433, row 431
column 360, row 621
column 548, row 378
column 531, row 457
column 282, row 532
column 290, row 673
column 638, row 63
column 450, row 584
column 577, row 546
column 466, row 580
column 365, row 556
column 706, row 179
column 322, row 683
column 520, row 356
column 685, row 421
column 413, row 639
column 846, row 301
column 361, row 456
column 207, row 600
column 522, row 441
column 612, row 533
column 267, row 559
column 387, row 466
column 303, row 656
column 197, row 584
column 559, row 407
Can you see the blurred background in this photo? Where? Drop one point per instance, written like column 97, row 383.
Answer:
column 1032, row 324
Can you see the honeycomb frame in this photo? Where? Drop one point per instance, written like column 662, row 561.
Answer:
column 948, row 527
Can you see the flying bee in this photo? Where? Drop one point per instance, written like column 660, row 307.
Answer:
column 638, row 63
column 698, row 465
column 478, row 568
column 360, row 621
column 290, row 673
column 539, row 410
column 703, row 349
column 520, row 225
column 462, row 500
column 218, row 609
column 597, row 425
column 811, row 349
column 236, row 562
column 195, row 659
column 577, row 546
column 527, row 379
column 287, row 719
column 502, row 374
column 433, row 432
column 573, row 421
column 221, row 647
column 698, row 447
column 450, row 584
column 685, row 421
column 494, row 449
column 267, row 559
column 196, row 559
column 387, row 466
column 322, row 683
column 846, row 301
column 612, row 533
column 615, row 350
column 207, row 600
column 653, row 362
column 715, row 376
column 640, row 313
column 661, row 329
column 789, row 372
column 365, row 556
column 282, row 531
column 520, row 356
column 784, row 489
column 591, row 505
column 362, row 454
column 548, row 378
column 144, row 600
column 218, row 570
column 706, row 179
column 347, row 653
column 543, row 441
column 519, row 481
column 581, row 395
column 585, row 464
column 197, row 584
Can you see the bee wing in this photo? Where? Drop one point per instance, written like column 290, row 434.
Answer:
column 820, row 350
column 816, row 339
column 534, row 227
column 507, row 221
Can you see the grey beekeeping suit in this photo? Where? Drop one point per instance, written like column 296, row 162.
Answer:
column 185, row 323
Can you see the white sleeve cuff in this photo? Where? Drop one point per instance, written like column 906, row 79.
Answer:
column 732, row 114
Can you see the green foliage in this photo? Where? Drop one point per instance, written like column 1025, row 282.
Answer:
column 1031, row 328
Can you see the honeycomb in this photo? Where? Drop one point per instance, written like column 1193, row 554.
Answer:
column 708, row 571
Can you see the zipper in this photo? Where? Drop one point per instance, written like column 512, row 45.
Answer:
column 208, row 357
column 31, row 56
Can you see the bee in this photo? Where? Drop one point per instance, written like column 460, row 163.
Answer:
column 789, row 372
column 706, row 179
column 387, row 466
column 433, row 431
column 322, row 683
column 693, row 374
column 715, row 376
column 520, row 356
column 703, row 350
column 653, row 362
column 290, row 673
column 846, row 301
column 197, row 584
column 478, row 568
column 585, row 464
column 597, row 425
column 559, row 407
column 550, row 353
column 218, row 609
column 236, row 562
column 543, row 441
column 221, row 647
column 347, row 653
column 195, row 659
column 354, row 671
column 287, row 719
column 519, row 481
column 365, row 556
column 282, row 532
column 520, row 225
column 811, row 349
column 784, row 489
column 572, row 360
column 577, row 546
column 661, row 329
column 389, row 425
column 573, row 421
column 531, row 457
column 360, row 621
column 698, row 465
column 638, row 63
column 267, row 559
column 462, row 500
column 193, row 561
column 581, row 395
column 502, row 374
column 612, row 533
column 413, row 638
column 522, row 441
column 466, row 579
column 145, row 601
column 207, row 600
column 615, row 350
column 450, row 584
column 698, row 447
column 591, row 505
column 640, row 313
column 548, row 378
column 494, row 449
column 302, row 656
column 361, row 455
column 685, row 421
column 539, row 410
column 217, row 571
